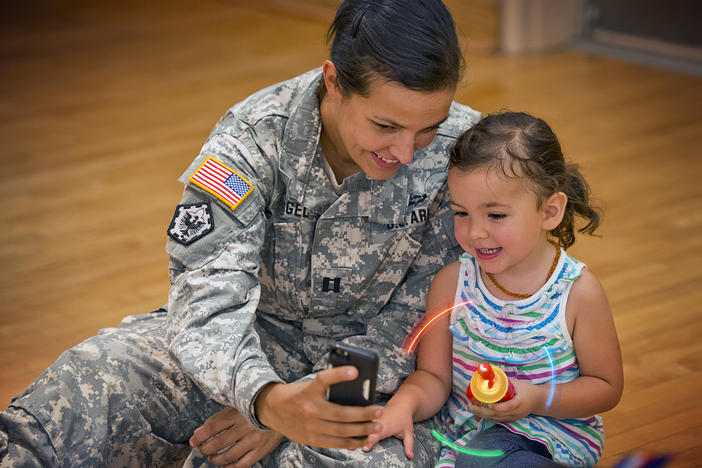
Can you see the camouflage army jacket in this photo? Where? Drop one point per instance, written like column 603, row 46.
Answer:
column 270, row 264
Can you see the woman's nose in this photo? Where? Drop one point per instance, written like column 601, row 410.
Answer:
column 403, row 148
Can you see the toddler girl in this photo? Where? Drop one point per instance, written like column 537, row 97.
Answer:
column 520, row 303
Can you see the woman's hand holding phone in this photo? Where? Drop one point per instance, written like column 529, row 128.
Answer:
column 301, row 412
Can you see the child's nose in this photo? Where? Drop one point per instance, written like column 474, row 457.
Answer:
column 476, row 231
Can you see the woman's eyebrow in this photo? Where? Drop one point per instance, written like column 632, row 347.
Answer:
column 395, row 124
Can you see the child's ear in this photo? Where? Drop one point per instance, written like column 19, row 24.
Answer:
column 554, row 209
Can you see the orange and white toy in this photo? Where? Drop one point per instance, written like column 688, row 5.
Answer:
column 490, row 385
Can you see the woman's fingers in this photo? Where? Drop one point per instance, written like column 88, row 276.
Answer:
column 248, row 450
column 215, row 424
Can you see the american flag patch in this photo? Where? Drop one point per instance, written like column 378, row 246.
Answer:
column 222, row 182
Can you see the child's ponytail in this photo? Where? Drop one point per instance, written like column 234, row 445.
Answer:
column 579, row 205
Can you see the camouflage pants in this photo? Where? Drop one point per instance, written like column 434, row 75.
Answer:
column 388, row 453
column 118, row 399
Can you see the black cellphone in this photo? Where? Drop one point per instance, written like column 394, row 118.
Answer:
column 361, row 390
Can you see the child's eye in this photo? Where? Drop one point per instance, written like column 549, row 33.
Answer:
column 460, row 214
column 497, row 216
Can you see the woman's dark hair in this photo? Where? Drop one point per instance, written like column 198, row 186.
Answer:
column 521, row 145
column 411, row 42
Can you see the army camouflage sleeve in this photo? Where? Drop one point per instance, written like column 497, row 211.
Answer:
column 386, row 331
column 214, row 287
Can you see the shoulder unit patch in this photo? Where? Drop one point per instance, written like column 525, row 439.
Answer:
column 191, row 222
column 221, row 181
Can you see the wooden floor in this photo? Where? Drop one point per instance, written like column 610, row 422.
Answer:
column 104, row 104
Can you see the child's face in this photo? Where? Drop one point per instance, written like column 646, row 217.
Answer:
column 497, row 219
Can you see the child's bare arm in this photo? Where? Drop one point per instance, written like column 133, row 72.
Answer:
column 425, row 391
column 431, row 383
column 601, row 380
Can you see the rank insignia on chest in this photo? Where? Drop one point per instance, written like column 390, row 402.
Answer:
column 221, row 181
column 191, row 222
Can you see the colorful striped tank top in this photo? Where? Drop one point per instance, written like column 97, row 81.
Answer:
column 529, row 340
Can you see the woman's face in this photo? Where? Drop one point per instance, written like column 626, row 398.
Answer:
column 379, row 132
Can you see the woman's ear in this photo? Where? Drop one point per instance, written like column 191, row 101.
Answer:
column 331, row 80
column 554, row 209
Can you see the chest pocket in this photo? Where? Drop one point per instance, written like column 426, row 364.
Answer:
column 367, row 279
column 290, row 268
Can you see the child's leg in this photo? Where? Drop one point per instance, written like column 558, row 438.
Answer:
column 518, row 451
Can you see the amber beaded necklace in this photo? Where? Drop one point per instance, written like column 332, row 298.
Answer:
column 524, row 296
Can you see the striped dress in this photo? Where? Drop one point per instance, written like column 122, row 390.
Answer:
column 529, row 340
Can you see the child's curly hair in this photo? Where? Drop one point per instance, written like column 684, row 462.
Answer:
column 521, row 145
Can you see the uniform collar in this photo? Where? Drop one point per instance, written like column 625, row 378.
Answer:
column 301, row 138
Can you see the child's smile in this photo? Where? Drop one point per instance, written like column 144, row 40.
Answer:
column 487, row 254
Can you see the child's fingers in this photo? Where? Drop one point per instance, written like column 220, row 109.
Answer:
column 408, row 441
column 481, row 411
column 371, row 441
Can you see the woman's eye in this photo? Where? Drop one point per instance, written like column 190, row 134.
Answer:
column 383, row 126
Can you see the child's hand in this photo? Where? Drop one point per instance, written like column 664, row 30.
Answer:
column 396, row 422
column 528, row 397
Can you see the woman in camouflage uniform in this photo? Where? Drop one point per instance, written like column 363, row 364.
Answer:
column 317, row 211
